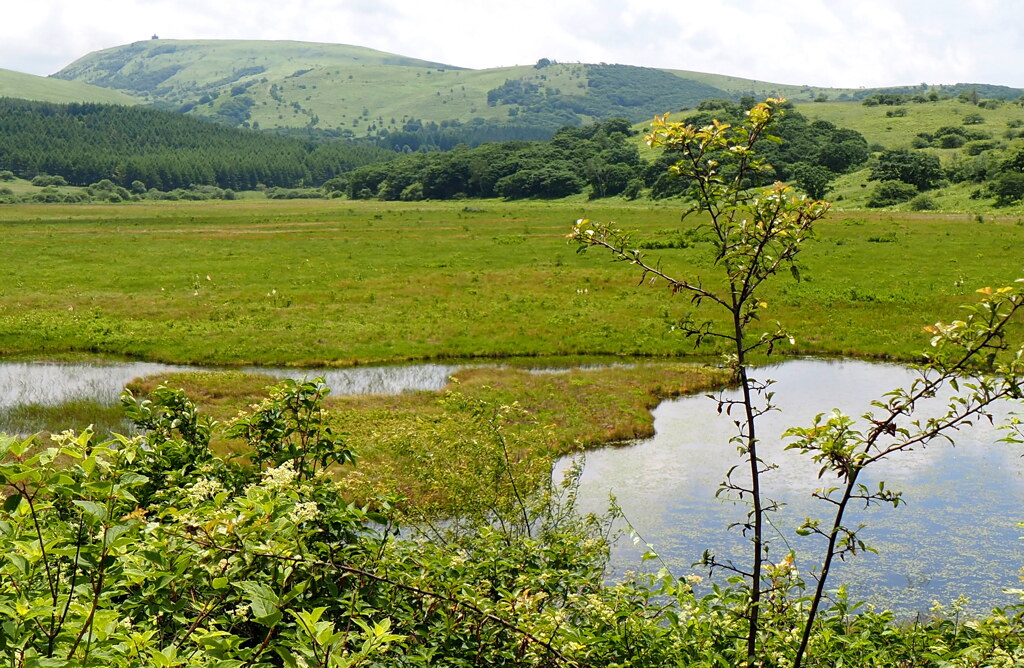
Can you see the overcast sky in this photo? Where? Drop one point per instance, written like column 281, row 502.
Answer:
column 840, row 43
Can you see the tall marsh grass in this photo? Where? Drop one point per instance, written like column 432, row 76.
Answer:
column 76, row 414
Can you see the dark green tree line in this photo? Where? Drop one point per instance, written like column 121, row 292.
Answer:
column 811, row 154
column 86, row 143
column 601, row 156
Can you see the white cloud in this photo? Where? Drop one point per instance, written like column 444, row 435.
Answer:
column 815, row 42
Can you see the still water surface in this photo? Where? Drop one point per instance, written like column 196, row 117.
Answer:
column 956, row 535
column 54, row 383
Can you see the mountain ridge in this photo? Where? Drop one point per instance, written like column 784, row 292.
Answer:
column 353, row 91
column 320, row 90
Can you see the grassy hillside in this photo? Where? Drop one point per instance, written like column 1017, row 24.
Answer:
column 356, row 91
column 994, row 129
column 47, row 89
column 351, row 91
column 290, row 83
column 895, row 126
column 737, row 86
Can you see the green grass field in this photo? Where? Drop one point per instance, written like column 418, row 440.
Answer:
column 340, row 282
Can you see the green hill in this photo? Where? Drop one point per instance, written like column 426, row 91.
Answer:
column 48, row 89
column 977, row 141
column 353, row 91
column 336, row 90
column 323, row 91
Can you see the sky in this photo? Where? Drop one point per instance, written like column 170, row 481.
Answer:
column 835, row 43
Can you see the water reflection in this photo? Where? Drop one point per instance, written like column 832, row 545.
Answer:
column 50, row 384
column 374, row 380
column 53, row 383
column 957, row 534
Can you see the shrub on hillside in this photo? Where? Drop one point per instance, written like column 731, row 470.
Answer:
column 888, row 193
column 1008, row 188
column 923, row 202
column 43, row 180
column 917, row 168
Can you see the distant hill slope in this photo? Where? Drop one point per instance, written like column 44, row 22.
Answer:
column 898, row 125
column 335, row 90
column 354, row 91
column 48, row 89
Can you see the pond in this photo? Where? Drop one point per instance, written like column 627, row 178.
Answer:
column 957, row 534
column 35, row 395
column 51, row 383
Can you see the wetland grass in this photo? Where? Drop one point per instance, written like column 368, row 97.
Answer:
column 327, row 283
column 314, row 283
column 426, row 447
column 77, row 414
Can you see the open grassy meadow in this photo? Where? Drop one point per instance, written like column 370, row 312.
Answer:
column 316, row 283
column 345, row 282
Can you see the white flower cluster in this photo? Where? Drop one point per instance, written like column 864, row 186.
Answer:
column 304, row 512
column 205, row 488
column 64, row 438
column 280, row 477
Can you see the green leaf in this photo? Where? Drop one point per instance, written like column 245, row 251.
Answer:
column 166, row 657
column 114, row 532
column 220, row 583
column 49, row 663
column 92, row 508
column 12, row 502
column 287, row 657
column 129, row 479
column 20, row 562
column 379, row 518
column 262, row 601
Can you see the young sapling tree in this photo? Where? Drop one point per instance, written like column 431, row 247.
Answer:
column 756, row 232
